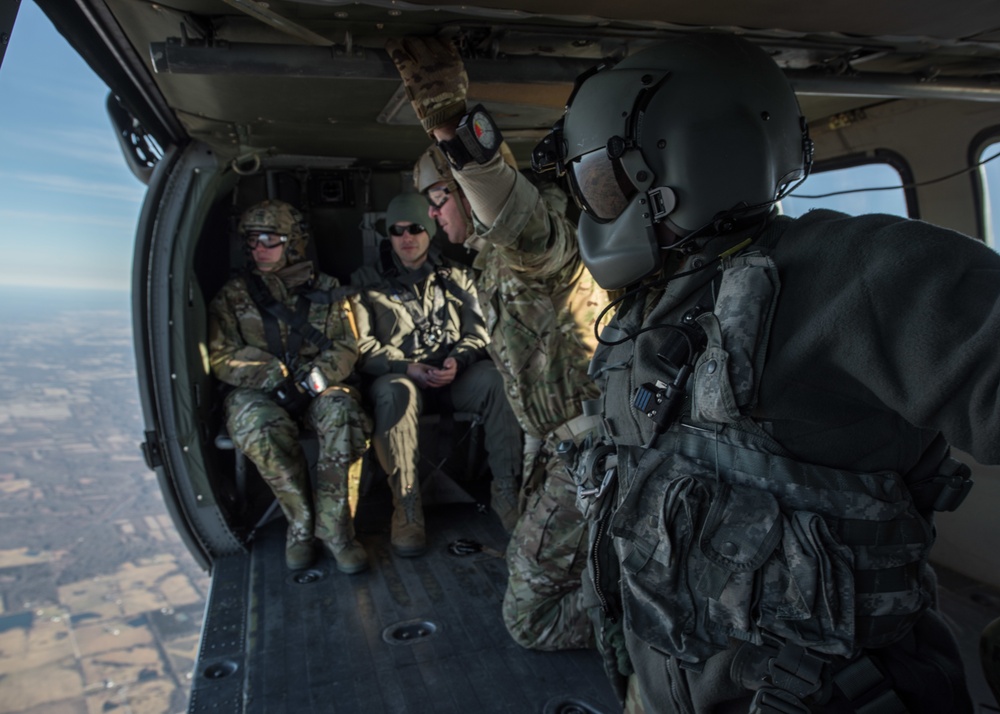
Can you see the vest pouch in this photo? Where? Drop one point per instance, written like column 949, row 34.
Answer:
column 689, row 548
column 726, row 376
column 743, row 527
column 808, row 594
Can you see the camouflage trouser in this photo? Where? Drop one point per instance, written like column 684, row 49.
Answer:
column 398, row 403
column 543, row 607
column 270, row 439
column 633, row 699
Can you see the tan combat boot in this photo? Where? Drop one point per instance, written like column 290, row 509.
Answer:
column 335, row 524
column 350, row 556
column 408, row 538
column 300, row 552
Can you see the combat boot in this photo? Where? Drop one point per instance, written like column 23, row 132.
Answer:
column 408, row 538
column 335, row 524
column 299, row 552
column 350, row 557
column 504, row 495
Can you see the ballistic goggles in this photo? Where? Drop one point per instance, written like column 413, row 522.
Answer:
column 437, row 197
column 267, row 240
column 413, row 229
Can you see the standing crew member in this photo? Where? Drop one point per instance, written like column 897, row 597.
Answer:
column 423, row 344
column 778, row 395
column 283, row 336
column 540, row 304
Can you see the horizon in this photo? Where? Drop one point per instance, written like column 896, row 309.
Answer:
column 63, row 179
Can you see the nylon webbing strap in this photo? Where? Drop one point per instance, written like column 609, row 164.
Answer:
column 297, row 321
column 272, row 333
column 301, row 316
column 887, row 580
column 897, row 532
column 769, row 700
column 860, row 680
column 796, row 670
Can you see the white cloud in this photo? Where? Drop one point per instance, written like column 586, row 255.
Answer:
column 75, row 282
column 40, row 217
column 81, row 187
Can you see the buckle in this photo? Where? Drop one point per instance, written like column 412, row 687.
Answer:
column 769, row 700
column 796, row 670
column 955, row 482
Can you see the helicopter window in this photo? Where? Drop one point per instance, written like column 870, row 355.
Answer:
column 989, row 175
column 855, row 189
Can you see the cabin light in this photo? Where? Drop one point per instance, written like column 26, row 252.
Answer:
column 340, row 15
column 395, row 13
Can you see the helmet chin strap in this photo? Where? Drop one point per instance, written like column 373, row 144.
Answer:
column 730, row 222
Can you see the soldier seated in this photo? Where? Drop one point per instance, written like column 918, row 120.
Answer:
column 423, row 341
column 283, row 336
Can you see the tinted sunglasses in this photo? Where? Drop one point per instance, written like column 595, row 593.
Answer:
column 413, row 229
column 268, row 240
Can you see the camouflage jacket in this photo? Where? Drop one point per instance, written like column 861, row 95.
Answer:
column 540, row 305
column 435, row 318
column 794, row 489
column 238, row 350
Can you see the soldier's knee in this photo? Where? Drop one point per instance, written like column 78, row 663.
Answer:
column 518, row 623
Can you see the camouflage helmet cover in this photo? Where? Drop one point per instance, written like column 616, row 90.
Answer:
column 278, row 217
column 432, row 167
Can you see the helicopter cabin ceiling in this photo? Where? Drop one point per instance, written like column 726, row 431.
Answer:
column 310, row 78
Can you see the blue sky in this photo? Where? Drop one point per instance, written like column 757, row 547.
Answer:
column 68, row 203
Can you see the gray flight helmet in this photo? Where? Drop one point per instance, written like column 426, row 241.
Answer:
column 707, row 131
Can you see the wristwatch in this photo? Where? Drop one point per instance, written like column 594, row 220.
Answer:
column 477, row 138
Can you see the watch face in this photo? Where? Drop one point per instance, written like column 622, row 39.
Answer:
column 486, row 133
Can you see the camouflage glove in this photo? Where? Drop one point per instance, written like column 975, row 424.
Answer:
column 433, row 76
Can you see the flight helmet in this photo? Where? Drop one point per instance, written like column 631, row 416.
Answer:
column 694, row 137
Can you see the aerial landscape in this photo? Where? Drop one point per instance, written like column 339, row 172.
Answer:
column 100, row 602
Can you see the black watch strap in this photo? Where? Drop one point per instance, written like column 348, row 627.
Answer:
column 477, row 138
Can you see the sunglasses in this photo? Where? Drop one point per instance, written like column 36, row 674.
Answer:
column 413, row 229
column 268, row 240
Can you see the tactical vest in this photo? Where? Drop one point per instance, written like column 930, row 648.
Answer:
column 720, row 534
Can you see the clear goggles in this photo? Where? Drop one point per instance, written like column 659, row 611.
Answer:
column 413, row 229
column 437, row 197
column 266, row 240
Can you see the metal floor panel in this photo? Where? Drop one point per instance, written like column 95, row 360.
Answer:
column 321, row 641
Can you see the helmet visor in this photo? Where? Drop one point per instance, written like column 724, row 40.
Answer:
column 600, row 185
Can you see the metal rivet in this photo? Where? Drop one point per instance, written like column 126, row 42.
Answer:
column 711, row 366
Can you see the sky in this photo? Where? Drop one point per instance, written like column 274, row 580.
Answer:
column 67, row 194
column 68, row 202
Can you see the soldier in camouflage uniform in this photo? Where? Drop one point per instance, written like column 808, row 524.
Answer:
column 540, row 305
column 423, row 344
column 778, row 397
column 283, row 378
